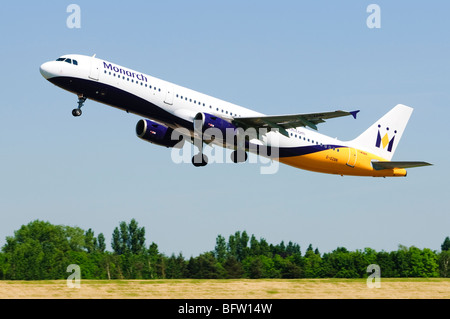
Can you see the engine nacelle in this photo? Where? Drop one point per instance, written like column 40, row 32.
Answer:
column 212, row 121
column 157, row 134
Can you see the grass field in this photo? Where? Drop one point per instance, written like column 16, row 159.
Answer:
column 229, row 289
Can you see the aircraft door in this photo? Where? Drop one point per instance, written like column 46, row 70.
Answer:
column 95, row 69
column 352, row 156
column 169, row 95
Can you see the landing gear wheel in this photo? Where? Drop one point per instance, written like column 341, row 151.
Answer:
column 239, row 156
column 199, row 160
column 76, row 112
column 81, row 99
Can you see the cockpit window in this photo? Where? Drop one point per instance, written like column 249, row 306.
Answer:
column 70, row 61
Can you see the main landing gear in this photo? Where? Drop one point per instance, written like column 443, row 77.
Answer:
column 239, row 156
column 199, row 160
column 77, row 112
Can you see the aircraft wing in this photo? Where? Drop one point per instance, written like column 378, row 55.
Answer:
column 390, row 165
column 283, row 122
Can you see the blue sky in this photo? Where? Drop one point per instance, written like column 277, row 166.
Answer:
column 278, row 57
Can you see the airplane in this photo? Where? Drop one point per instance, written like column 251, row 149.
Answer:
column 291, row 139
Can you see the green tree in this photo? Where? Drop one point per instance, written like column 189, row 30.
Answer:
column 253, row 267
column 340, row 264
column 387, row 265
column 279, row 249
column 238, row 245
column 136, row 237
column 4, row 265
column 205, row 266
column 128, row 239
column 423, row 262
column 100, row 243
column 89, row 241
column 260, row 267
column 242, row 246
column 39, row 250
column 264, row 248
column 446, row 244
column 254, row 247
column 176, row 267
column 116, row 242
column 444, row 263
column 292, row 249
column 155, row 264
column 401, row 261
column 220, row 251
column 312, row 264
column 232, row 246
column 233, row 268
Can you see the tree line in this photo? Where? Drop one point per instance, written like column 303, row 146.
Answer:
column 41, row 250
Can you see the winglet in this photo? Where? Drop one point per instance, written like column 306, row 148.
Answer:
column 353, row 113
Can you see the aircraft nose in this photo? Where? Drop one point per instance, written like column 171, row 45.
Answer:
column 48, row 70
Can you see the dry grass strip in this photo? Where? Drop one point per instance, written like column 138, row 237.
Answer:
column 432, row 288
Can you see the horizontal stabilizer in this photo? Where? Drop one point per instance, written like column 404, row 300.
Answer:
column 391, row 165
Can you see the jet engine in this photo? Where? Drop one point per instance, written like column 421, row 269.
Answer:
column 211, row 121
column 157, row 134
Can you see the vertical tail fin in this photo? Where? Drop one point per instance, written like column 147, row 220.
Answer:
column 383, row 136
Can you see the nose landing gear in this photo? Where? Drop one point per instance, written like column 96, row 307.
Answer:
column 77, row 112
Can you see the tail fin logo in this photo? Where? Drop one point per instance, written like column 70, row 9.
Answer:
column 385, row 141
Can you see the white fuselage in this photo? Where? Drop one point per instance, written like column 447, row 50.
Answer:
column 176, row 106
